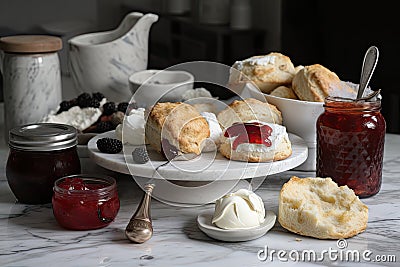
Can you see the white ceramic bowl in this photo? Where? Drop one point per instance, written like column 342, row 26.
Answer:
column 151, row 86
column 300, row 117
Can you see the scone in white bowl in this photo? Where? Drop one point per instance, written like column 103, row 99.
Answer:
column 151, row 86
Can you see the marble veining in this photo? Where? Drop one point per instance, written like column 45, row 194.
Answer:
column 30, row 236
column 103, row 61
column 32, row 87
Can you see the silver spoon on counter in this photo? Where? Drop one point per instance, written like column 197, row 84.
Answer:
column 368, row 67
column 139, row 228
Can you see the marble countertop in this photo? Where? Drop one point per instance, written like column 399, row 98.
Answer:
column 30, row 236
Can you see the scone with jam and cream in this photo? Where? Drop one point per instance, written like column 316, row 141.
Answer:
column 252, row 132
column 255, row 141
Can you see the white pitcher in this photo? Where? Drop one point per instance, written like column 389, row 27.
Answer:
column 103, row 61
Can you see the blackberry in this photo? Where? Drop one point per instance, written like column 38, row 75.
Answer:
column 140, row 155
column 94, row 103
column 109, row 145
column 84, row 100
column 98, row 96
column 123, row 106
column 74, row 102
column 104, row 126
column 64, row 106
column 109, row 108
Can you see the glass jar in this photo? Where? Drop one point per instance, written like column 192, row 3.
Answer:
column 350, row 142
column 84, row 202
column 40, row 154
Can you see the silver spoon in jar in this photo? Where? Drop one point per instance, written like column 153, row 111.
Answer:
column 368, row 67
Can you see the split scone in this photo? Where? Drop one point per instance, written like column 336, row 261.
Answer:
column 249, row 109
column 255, row 141
column 266, row 71
column 315, row 83
column 252, row 132
column 176, row 128
column 319, row 208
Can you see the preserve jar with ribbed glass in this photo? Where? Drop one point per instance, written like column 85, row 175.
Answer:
column 350, row 143
column 39, row 154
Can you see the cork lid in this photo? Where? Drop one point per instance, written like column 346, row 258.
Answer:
column 30, row 44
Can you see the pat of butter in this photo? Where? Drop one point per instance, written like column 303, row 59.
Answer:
column 241, row 209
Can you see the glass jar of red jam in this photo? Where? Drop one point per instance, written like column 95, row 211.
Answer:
column 40, row 154
column 84, row 202
column 350, row 141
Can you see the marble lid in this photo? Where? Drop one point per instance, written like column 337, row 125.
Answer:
column 30, row 44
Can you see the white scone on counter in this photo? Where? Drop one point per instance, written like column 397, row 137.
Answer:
column 248, row 110
column 266, row 71
column 315, row 82
column 319, row 208
column 176, row 128
column 255, row 141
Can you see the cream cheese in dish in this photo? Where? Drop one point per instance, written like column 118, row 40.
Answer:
column 132, row 129
column 80, row 118
column 239, row 210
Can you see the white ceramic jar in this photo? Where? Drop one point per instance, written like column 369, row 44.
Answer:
column 31, row 78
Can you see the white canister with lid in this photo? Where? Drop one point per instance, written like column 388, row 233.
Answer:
column 31, row 78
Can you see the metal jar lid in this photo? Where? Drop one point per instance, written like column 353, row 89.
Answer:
column 43, row 137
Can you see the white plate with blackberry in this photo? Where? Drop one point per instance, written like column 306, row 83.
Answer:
column 198, row 181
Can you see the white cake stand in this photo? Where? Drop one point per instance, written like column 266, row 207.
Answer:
column 198, row 181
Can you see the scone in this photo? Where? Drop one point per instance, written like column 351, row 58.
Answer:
column 319, row 208
column 249, row 109
column 266, row 71
column 176, row 128
column 315, row 82
column 285, row 92
column 255, row 141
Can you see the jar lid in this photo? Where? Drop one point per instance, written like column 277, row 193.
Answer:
column 30, row 44
column 43, row 137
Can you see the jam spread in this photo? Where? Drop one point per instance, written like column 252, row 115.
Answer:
column 249, row 132
column 82, row 203
column 350, row 141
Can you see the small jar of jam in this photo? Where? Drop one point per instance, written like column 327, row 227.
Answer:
column 350, row 142
column 84, row 202
column 40, row 154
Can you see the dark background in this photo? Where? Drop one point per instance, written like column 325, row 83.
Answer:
column 335, row 34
